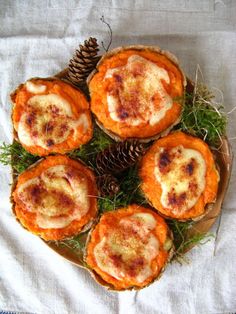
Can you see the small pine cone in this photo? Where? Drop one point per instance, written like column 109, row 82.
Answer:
column 84, row 61
column 107, row 185
column 120, row 156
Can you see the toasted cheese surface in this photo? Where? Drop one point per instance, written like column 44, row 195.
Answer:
column 128, row 247
column 50, row 116
column 35, row 88
column 127, row 250
column 179, row 176
column 48, row 120
column 58, row 196
column 136, row 94
column 181, row 172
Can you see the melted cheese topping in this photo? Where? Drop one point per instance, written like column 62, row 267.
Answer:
column 35, row 88
column 181, row 174
column 137, row 94
column 129, row 248
column 48, row 121
column 58, row 196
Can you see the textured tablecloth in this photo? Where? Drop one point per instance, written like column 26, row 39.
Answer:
column 37, row 38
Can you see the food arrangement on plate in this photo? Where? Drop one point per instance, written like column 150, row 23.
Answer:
column 119, row 163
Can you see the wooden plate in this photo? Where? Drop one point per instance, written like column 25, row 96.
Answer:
column 224, row 159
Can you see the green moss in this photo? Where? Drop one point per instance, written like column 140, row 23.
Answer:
column 88, row 152
column 202, row 118
column 16, row 156
column 183, row 241
column 129, row 192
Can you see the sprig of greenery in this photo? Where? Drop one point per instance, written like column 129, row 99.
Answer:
column 19, row 159
column 183, row 240
column 88, row 152
column 201, row 117
column 75, row 244
column 16, row 156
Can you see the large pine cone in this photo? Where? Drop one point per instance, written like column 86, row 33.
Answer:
column 120, row 156
column 84, row 61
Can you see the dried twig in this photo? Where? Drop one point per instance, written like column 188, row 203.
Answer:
column 110, row 34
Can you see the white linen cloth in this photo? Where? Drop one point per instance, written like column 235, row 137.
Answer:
column 37, row 38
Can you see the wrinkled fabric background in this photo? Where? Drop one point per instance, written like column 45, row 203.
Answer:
column 37, row 38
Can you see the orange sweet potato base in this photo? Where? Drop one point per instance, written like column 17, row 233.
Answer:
column 78, row 103
column 98, row 90
column 152, row 189
column 108, row 222
column 28, row 219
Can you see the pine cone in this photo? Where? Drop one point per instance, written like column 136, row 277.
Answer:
column 120, row 156
column 84, row 61
column 107, row 185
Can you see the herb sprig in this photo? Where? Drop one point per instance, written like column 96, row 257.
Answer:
column 75, row 244
column 16, row 156
column 183, row 240
column 203, row 118
column 88, row 152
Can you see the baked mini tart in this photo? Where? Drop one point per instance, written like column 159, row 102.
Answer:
column 179, row 176
column 55, row 198
column 50, row 116
column 129, row 248
column 137, row 92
